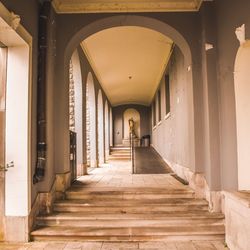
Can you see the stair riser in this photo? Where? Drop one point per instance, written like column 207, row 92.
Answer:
column 129, row 223
column 80, row 196
column 213, row 237
column 144, row 209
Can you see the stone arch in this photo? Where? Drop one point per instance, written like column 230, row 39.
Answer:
column 76, row 77
column 242, row 90
column 100, row 128
column 90, row 121
column 110, row 127
column 106, row 129
column 195, row 115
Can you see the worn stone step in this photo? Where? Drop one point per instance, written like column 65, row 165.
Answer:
column 78, row 192
column 183, row 232
column 81, row 220
column 135, row 202
column 76, row 206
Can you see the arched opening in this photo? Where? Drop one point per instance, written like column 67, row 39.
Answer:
column 106, row 124
column 110, row 127
column 90, row 122
column 75, row 81
column 135, row 115
column 242, row 90
column 179, row 40
column 100, row 132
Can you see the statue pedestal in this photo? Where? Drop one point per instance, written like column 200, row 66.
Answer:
column 126, row 142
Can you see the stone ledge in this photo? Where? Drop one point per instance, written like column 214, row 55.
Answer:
column 240, row 196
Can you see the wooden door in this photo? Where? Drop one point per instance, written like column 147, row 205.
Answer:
column 3, row 69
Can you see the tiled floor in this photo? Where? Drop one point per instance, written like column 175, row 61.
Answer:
column 118, row 174
column 190, row 245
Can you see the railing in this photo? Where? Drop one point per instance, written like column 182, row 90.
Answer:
column 132, row 152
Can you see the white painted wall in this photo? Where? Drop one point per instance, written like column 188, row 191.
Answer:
column 171, row 137
column 242, row 97
column 100, row 128
column 77, row 78
column 131, row 113
column 18, row 178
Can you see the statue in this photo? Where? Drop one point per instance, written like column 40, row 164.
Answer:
column 131, row 123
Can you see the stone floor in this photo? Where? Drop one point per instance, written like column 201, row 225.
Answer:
column 190, row 245
column 118, row 174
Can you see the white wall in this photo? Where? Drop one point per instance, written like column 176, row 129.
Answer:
column 242, row 97
column 77, row 77
column 171, row 136
column 18, row 178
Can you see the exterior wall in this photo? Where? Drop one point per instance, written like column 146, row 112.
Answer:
column 118, row 124
column 170, row 136
column 230, row 15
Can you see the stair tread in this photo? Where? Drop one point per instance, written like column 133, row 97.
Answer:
column 158, row 216
column 88, row 231
column 132, row 203
column 79, row 188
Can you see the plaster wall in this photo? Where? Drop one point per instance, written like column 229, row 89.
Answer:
column 230, row 15
column 170, row 136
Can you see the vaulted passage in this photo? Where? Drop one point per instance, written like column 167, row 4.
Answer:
column 125, row 121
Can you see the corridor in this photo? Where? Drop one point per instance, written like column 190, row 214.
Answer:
column 83, row 83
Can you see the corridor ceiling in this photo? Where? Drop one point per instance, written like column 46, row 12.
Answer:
column 129, row 62
column 108, row 6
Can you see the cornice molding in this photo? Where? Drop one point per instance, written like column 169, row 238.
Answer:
column 128, row 6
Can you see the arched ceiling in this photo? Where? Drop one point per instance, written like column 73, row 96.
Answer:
column 129, row 62
column 108, row 6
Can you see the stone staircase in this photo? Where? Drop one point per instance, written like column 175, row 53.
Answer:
column 129, row 214
column 119, row 153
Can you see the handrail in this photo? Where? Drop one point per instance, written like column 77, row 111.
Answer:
column 132, row 153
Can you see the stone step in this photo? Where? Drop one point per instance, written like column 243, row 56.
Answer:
column 126, row 220
column 120, row 149
column 183, row 232
column 79, row 192
column 118, row 153
column 126, row 207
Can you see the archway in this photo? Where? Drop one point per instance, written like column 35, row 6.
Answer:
column 242, row 90
column 195, row 116
column 76, row 107
column 90, row 122
column 100, row 123
column 135, row 115
column 110, row 127
column 106, row 125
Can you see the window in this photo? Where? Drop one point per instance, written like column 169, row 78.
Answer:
column 167, row 94
column 159, row 105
